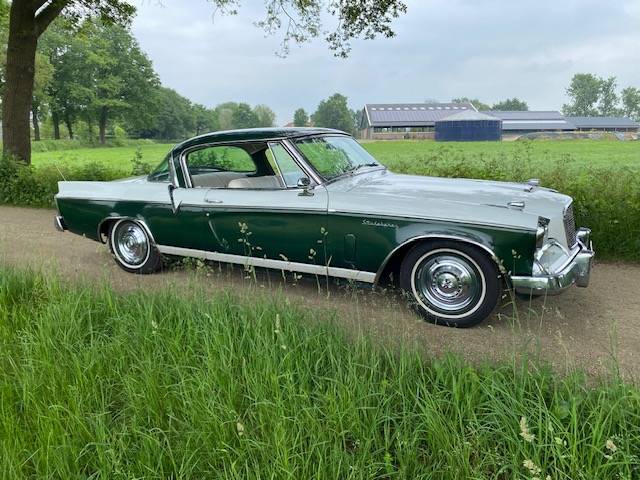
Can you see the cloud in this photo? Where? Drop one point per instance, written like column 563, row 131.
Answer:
column 490, row 49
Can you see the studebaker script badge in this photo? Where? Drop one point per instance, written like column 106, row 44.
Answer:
column 376, row 223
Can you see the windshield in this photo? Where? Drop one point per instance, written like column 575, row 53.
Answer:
column 335, row 156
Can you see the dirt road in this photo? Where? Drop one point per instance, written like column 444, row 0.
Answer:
column 594, row 328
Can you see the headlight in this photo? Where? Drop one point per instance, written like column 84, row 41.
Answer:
column 542, row 231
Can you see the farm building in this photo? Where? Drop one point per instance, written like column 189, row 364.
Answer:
column 604, row 124
column 468, row 126
column 521, row 122
column 393, row 121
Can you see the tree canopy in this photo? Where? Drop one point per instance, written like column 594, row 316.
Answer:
column 334, row 112
column 513, row 104
column 300, row 118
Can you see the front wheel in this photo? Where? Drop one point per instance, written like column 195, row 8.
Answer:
column 132, row 248
column 450, row 283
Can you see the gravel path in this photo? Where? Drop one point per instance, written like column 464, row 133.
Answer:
column 596, row 329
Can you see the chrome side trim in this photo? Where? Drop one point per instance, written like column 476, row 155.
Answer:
column 133, row 219
column 113, row 199
column 356, row 275
column 435, row 236
column 223, row 207
column 58, row 222
column 436, row 219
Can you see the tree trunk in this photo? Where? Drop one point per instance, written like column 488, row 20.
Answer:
column 103, row 125
column 36, row 124
column 69, row 123
column 19, row 77
column 90, row 128
column 55, row 118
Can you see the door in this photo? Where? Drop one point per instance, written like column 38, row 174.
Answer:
column 251, row 207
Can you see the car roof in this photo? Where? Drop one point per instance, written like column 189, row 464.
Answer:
column 258, row 134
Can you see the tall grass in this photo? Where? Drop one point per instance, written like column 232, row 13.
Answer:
column 95, row 384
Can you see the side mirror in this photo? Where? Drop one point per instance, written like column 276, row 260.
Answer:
column 305, row 184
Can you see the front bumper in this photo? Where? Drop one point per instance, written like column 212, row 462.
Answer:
column 575, row 270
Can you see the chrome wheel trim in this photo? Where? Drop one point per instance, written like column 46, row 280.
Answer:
column 454, row 281
column 130, row 244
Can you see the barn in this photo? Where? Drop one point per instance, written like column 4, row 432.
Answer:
column 468, row 126
column 395, row 121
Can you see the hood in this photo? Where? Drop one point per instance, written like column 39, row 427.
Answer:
column 475, row 201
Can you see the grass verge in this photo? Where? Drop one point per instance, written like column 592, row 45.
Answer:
column 102, row 385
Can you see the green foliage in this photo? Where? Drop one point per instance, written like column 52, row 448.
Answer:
column 62, row 145
column 334, row 113
column 244, row 117
column 300, row 118
column 139, row 166
column 610, row 209
column 513, row 104
column 219, row 385
column 591, row 95
column 631, row 103
column 476, row 103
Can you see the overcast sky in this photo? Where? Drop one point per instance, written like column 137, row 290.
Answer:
column 486, row 49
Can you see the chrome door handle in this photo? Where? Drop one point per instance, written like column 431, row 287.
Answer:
column 209, row 200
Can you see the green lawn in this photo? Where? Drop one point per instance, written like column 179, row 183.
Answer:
column 116, row 158
column 98, row 385
column 598, row 153
column 545, row 153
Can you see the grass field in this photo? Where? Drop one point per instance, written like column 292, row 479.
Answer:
column 95, row 384
column 545, row 154
column 117, row 158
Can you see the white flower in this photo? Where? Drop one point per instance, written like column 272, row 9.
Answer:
column 611, row 446
column 532, row 467
column 524, row 431
column 240, row 429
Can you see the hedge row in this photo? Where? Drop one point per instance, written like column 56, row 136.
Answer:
column 607, row 200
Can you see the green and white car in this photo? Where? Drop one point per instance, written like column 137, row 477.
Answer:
column 313, row 201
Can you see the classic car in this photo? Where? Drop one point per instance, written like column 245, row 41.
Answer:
column 314, row 201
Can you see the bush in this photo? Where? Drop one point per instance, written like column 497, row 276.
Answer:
column 35, row 187
column 57, row 145
column 606, row 199
column 163, row 385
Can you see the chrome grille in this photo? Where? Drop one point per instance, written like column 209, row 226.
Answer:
column 570, row 225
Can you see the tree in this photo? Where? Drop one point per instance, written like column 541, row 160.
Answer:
column 266, row 116
column 334, row 113
column 511, row 104
column 301, row 21
column 584, row 92
column 28, row 20
column 244, row 117
column 122, row 74
column 608, row 98
column 631, row 103
column 43, row 78
column 205, row 120
column 476, row 103
column 300, row 118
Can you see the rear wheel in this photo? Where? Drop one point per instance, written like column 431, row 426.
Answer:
column 450, row 283
column 132, row 248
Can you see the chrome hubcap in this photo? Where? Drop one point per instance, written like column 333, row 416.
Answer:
column 131, row 243
column 447, row 282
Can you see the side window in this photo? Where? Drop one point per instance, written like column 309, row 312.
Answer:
column 285, row 164
column 161, row 173
column 220, row 159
